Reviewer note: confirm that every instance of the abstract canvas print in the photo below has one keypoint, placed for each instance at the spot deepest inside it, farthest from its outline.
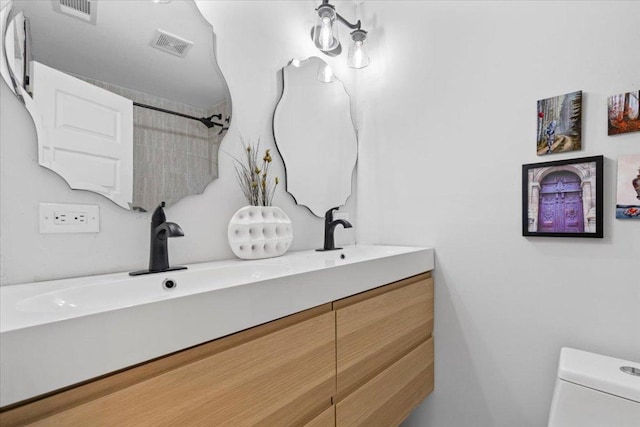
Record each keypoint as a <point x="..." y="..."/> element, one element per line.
<point x="628" y="204"/>
<point x="563" y="198"/>
<point x="560" y="124"/>
<point x="624" y="113"/>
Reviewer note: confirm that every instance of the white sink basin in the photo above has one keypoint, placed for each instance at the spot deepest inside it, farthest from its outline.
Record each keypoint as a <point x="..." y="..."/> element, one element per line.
<point x="130" y="291"/>
<point x="63" y="299"/>
<point x="350" y="254"/>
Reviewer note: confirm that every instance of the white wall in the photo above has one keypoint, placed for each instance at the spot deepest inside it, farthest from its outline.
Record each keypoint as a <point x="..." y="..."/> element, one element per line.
<point x="447" y="109"/>
<point x="255" y="40"/>
<point x="449" y="117"/>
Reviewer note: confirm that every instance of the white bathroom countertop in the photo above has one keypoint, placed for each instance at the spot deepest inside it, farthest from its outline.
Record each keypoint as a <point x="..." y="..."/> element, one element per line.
<point x="57" y="333"/>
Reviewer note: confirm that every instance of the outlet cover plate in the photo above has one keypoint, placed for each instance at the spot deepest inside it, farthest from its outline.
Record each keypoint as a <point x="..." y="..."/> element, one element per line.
<point x="67" y="218"/>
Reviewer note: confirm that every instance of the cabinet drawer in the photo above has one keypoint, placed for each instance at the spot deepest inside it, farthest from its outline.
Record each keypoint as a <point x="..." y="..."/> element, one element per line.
<point x="326" y="419"/>
<point x="390" y="396"/>
<point x="278" y="378"/>
<point x="376" y="328"/>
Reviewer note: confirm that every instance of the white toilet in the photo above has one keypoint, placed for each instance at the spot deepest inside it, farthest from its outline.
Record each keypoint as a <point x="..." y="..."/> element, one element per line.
<point x="593" y="391"/>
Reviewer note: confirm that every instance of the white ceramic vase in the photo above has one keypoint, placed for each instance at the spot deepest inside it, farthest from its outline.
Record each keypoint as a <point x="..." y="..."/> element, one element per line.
<point x="257" y="232"/>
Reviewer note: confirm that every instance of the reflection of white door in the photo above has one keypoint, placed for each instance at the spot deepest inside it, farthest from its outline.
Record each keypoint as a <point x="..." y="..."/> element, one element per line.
<point x="88" y="134"/>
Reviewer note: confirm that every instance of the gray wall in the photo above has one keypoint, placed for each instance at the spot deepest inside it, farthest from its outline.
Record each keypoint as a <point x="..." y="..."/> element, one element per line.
<point x="449" y="107"/>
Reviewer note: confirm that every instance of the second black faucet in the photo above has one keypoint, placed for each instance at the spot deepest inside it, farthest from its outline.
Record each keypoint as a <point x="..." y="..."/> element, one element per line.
<point x="329" y="227"/>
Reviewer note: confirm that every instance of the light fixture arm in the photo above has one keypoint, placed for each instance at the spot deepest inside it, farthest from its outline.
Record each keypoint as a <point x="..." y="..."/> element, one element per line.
<point x="325" y="36"/>
<point x="355" y="26"/>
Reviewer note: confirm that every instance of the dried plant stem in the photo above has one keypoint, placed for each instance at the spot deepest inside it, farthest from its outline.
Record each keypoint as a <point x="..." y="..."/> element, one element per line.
<point x="253" y="176"/>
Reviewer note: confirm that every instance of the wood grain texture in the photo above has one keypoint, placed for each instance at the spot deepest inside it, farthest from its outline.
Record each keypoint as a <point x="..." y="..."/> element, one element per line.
<point x="390" y="396"/>
<point x="283" y="373"/>
<point x="353" y="299"/>
<point x="326" y="419"/>
<point x="376" y="328"/>
<point x="280" y="373"/>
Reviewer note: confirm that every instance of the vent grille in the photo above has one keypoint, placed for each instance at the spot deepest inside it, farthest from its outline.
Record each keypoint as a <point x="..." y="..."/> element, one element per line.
<point x="170" y="43"/>
<point x="84" y="10"/>
<point x="80" y="6"/>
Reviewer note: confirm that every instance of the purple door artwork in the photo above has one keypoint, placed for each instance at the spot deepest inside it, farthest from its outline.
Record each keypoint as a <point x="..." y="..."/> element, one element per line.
<point x="563" y="198"/>
<point x="561" y="209"/>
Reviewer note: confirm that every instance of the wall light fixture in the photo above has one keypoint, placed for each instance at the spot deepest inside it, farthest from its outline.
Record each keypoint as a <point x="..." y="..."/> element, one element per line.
<point x="325" y="36"/>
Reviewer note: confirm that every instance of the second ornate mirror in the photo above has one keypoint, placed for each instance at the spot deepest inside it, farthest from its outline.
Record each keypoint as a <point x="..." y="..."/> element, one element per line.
<point x="315" y="135"/>
<point x="126" y="96"/>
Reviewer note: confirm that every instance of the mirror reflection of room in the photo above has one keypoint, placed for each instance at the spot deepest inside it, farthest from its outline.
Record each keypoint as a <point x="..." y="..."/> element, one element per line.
<point x="108" y="121"/>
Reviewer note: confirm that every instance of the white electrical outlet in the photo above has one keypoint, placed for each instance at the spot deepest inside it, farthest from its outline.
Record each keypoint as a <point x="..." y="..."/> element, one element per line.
<point x="69" y="218"/>
<point x="65" y="218"/>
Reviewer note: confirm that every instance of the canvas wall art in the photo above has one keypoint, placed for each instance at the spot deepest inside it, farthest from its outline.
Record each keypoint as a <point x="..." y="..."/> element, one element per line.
<point x="563" y="198"/>
<point x="624" y="113"/>
<point x="628" y="201"/>
<point x="560" y="124"/>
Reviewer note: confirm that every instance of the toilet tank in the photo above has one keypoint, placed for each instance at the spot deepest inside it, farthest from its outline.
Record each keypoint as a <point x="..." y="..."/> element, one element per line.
<point x="592" y="391"/>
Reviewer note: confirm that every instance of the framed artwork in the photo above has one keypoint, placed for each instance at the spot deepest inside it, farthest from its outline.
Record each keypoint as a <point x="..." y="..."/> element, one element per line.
<point x="560" y="124"/>
<point x="624" y="113"/>
<point x="628" y="200"/>
<point x="563" y="198"/>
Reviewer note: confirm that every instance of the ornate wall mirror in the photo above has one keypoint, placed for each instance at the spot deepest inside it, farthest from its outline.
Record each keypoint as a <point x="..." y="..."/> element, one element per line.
<point x="126" y="96"/>
<point x="315" y="135"/>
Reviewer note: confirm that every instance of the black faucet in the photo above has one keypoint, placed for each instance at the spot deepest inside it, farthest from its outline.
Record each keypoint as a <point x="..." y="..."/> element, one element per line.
<point x="161" y="230"/>
<point x="329" y="227"/>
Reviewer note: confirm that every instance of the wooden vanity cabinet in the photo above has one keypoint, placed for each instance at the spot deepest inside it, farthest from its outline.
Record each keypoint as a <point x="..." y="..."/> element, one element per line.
<point x="325" y="419"/>
<point x="384" y="352"/>
<point x="366" y="360"/>
<point x="278" y="374"/>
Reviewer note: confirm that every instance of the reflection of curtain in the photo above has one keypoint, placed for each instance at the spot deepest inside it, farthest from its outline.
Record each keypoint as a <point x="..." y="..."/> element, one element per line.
<point x="28" y="84"/>
<point x="17" y="65"/>
<point x="18" y="49"/>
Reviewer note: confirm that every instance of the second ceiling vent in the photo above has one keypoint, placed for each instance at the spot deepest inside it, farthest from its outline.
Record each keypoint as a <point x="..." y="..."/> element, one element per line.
<point x="170" y="43"/>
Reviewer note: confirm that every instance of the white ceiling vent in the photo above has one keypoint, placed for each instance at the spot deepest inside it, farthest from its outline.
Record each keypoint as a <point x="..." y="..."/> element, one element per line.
<point x="85" y="10"/>
<point x="170" y="43"/>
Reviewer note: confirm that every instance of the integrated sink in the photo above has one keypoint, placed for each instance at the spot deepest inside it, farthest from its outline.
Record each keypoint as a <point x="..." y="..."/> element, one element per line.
<point x="61" y="332"/>
<point x="129" y="291"/>
<point x="357" y="253"/>
<point x="93" y="297"/>
<point x="62" y="299"/>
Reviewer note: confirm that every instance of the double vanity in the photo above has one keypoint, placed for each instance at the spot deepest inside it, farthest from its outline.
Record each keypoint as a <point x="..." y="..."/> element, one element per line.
<point x="309" y="338"/>
<point x="335" y="338"/>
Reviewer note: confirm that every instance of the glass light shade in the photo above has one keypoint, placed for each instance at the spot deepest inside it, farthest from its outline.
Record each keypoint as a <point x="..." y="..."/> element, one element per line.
<point x="325" y="34"/>
<point x="325" y="74"/>
<point x="358" y="51"/>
